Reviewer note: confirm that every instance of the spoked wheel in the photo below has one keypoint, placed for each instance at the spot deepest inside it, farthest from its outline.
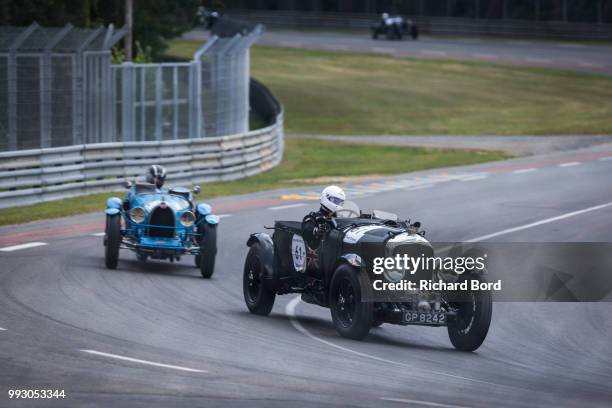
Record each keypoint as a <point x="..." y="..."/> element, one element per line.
<point x="352" y="317"/>
<point x="257" y="297"/>
<point x="474" y="308"/>
<point x="345" y="303"/>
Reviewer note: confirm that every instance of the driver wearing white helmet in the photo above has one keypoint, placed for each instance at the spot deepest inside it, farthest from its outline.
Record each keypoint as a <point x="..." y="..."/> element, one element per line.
<point x="317" y="223"/>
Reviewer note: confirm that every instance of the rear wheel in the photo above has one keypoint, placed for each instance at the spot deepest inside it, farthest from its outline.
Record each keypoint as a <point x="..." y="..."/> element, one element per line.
<point x="112" y="241"/>
<point x="257" y="297"/>
<point x="208" y="250"/>
<point x="474" y="308"/>
<point x="352" y="317"/>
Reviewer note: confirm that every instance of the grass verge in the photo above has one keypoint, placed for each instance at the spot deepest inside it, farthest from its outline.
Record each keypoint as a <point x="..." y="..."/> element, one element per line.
<point x="327" y="92"/>
<point x="306" y="161"/>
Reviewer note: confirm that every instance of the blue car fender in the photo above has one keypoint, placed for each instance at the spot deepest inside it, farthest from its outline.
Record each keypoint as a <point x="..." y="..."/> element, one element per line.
<point x="113" y="206"/>
<point x="212" y="219"/>
<point x="204" y="209"/>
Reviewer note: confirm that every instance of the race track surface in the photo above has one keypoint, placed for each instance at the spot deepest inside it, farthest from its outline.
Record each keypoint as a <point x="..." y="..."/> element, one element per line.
<point x="156" y="333"/>
<point x="587" y="57"/>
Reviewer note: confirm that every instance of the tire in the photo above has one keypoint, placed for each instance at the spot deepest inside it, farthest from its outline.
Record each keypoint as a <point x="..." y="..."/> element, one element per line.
<point x="258" y="298"/>
<point x="352" y="317"/>
<point x="208" y="250"/>
<point x="374" y="35"/>
<point x="113" y="241"/>
<point x="469" y="329"/>
<point x="414" y="33"/>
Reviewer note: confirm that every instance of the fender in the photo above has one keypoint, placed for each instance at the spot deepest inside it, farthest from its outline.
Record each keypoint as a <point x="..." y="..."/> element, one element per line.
<point x="356" y="262"/>
<point x="204" y="209"/>
<point x="212" y="219"/>
<point x="474" y="253"/>
<point x="266" y="256"/>
<point x="352" y="259"/>
<point x="112" y="211"/>
<point x="113" y="202"/>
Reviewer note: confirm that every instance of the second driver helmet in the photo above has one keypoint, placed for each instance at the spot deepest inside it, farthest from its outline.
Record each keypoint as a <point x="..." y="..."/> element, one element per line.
<point x="332" y="198"/>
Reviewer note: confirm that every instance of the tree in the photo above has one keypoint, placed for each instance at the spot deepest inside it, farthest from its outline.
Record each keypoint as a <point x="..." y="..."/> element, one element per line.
<point x="155" y="21"/>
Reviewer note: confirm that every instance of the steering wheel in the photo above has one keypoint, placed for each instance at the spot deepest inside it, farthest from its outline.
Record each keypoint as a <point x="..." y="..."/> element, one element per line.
<point x="349" y="212"/>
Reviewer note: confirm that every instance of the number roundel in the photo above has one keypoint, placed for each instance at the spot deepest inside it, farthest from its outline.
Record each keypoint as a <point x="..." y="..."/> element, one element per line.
<point x="298" y="253"/>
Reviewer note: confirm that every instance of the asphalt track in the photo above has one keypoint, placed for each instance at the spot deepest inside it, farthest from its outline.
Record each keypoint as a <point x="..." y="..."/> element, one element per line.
<point x="586" y="57"/>
<point x="158" y="334"/>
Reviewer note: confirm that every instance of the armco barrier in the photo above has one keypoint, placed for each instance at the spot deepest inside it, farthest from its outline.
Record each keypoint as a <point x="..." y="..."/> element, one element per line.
<point x="33" y="176"/>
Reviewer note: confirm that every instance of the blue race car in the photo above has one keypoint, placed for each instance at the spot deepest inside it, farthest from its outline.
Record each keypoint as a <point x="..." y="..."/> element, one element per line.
<point x="161" y="224"/>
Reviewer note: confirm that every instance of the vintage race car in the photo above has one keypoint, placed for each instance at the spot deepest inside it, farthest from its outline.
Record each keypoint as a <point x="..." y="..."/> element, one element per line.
<point x="335" y="276"/>
<point x="161" y="224"/>
<point x="395" y="27"/>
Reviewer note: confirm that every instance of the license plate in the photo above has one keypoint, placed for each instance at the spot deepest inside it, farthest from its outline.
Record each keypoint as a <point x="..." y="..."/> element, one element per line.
<point x="424" y="318"/>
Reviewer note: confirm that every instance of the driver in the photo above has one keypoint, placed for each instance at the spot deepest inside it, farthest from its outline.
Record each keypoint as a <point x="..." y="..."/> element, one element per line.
<point x="315" y="224"/>
<point x="156" y="174"/>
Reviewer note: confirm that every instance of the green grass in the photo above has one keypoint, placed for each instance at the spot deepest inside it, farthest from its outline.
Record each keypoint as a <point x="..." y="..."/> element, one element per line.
<point x="306" y="161"/>
<point x="344" y="93"/>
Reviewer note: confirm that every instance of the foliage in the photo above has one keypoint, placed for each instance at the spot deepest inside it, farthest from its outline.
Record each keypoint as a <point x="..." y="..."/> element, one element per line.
<point x="155" y="21"/>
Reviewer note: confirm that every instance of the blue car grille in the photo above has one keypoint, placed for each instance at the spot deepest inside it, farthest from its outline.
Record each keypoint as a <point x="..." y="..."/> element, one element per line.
<point x="164" y="217"/>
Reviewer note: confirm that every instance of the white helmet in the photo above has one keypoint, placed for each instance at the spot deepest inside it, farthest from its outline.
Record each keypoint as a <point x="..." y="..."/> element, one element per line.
<point x="332" y="198"/>
<point x="385" y="16"/>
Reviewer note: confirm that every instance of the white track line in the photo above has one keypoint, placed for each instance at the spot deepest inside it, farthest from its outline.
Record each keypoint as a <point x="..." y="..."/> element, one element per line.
<point x="2" y="329"/>
<point x="538" y="60"/>
<point x="538" y="223"/>
<point x="433" y="53"/>
<point x="224" y="215"/>
<point x="605" y="158"/>
<point x="570" y="164"/>
<point x="290" y="43"/>
<point x="589" y="65"/>
<point x="22" y="246"/>
<point x="290" y="311"/>
<point x="283" y="207"/>
<point x="145" y="362"/>
<point x="485" y="56"/>
<point x="337" y="47"/>
<point x="520" y="171"/>
<point x="98" y="234"/>
<point x="471" y="178"/>
<point x="423" y="403"/>
<point x="383" y="49"/>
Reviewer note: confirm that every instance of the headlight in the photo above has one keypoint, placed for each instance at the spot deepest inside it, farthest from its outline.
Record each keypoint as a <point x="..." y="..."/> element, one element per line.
<point x="137" y="214"/>
<point x="187" y="219"/>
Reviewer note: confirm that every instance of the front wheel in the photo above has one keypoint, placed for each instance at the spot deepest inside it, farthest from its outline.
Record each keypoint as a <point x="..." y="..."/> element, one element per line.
<point x="205" y="260"/>
<point x="474" y="308"/>
<point x="112" y="241"/>
<point x="352" y="317"/>
<point x="258" y="298"/>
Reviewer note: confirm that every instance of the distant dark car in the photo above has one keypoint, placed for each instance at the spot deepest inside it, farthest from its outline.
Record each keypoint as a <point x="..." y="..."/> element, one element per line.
<point x="333" y="274"/>
<point x="395" y="28"/>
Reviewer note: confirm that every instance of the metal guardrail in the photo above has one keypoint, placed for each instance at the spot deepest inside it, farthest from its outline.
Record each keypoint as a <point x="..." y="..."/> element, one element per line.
<point x="433" y="25"/>
<point x="33" y="176"/>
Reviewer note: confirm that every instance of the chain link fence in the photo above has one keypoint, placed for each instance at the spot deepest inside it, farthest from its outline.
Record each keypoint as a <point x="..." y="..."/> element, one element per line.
<point x="54" y="85"/>
<point x="58" y="87"/>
